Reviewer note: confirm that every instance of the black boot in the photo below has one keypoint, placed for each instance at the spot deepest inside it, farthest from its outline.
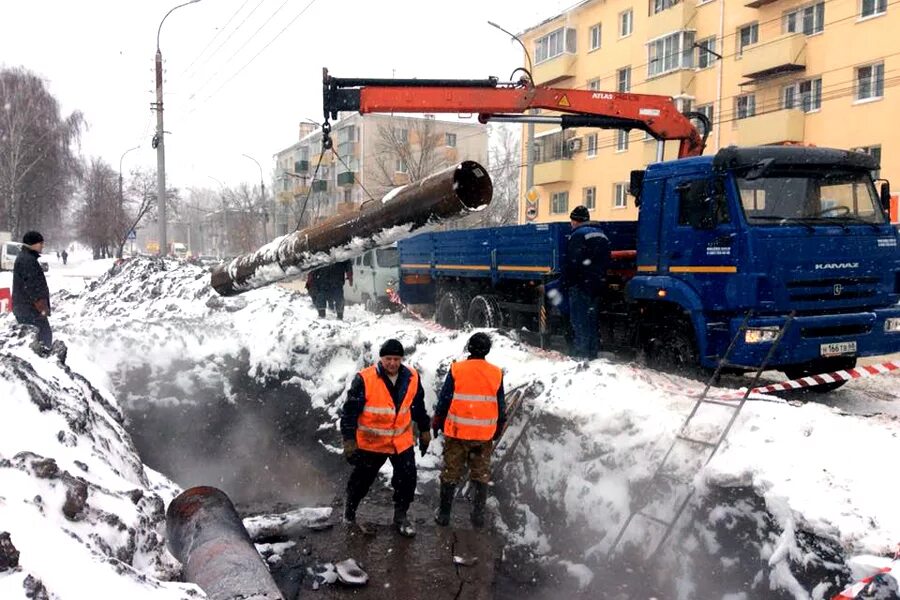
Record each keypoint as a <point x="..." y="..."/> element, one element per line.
<point x="350" y="511"/>
<point x="478" y="504"/>
<point x="442" y="514"/>
<point x="402" y="523"/>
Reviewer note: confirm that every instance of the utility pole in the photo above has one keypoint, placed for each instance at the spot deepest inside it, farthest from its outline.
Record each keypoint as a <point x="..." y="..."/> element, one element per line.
<point x="158" y="140"/>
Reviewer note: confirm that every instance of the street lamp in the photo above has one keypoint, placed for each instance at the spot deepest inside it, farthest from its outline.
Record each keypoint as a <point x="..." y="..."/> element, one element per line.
<point x="121" y="198"/>
<point x="262" y="191"/>
<point x="158" y="139"/>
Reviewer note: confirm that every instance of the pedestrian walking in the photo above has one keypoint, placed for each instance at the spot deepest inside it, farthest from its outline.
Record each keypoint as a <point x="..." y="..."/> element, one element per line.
<point x="583" y="277"/>
<point x="382" y="404"/>
<point x="30" y="294"/>
<point x="327" y="285"/>
<point x="471" y="411"/>
<point x="65" y="257"/>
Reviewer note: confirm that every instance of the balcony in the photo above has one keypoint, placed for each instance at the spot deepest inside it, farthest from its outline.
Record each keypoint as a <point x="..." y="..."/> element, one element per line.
<point x="672" y="19"/>
<point x="555" y="69"/>
<point x="320" y="185"/>
<point x="553" y="171"/>
<point x="674" y="83"/>
<point x="759" y="3"/>
<point x="782" y="55"/>
<point x="301" y="166"/>
<point x="346" y="178"/>
<point x="772" y="128"/>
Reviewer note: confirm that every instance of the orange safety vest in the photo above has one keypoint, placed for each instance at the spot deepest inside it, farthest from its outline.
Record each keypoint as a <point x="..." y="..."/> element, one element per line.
<point x="473" y="410"/>
<point x="381" y="427"/>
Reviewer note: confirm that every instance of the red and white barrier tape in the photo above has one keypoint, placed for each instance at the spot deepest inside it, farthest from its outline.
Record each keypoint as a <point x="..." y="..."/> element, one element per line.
<point x="821" y="379"/>
<point x="861" y="586"/>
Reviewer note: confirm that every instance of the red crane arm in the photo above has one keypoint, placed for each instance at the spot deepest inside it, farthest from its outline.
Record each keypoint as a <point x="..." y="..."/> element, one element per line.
<point x="656" y="115"/>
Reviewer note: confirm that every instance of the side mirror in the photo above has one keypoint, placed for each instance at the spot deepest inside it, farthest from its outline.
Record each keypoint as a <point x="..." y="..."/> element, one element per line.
<point x="886" y="195"/>
<point x="636" y="185"/>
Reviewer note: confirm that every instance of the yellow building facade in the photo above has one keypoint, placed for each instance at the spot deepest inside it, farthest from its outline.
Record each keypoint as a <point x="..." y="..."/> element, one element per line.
<point x="818" y="73"/>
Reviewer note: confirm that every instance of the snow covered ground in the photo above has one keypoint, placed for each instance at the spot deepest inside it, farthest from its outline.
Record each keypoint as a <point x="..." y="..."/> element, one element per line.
<point x="796" y="503"/>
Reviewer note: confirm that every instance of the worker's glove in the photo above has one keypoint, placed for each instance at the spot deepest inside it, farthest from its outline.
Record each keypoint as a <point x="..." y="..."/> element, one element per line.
<point x="437" y="425"/>
<point x="350" y="449"/>
<point x="424" y="441"/>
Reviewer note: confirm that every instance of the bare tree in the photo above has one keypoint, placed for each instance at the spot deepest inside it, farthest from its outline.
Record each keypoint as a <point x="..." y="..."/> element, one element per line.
<point x="407" y="150"/>
<point x="100" y="217"/>
<point x="139" y="202"/>
<point x="37" y="164"/>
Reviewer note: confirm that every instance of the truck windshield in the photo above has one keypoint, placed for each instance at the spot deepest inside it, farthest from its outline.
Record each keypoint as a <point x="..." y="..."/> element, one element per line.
<point x="388" y="257"/>
<point x="810" y="197"/>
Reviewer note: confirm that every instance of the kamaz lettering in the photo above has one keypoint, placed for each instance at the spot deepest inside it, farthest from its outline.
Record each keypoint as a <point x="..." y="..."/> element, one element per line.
<point x="846" y="265"/>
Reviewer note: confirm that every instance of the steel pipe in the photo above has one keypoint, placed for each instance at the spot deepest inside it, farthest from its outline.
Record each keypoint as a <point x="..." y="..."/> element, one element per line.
<point x="206" y="534"/>
<point x="443" y="195"/>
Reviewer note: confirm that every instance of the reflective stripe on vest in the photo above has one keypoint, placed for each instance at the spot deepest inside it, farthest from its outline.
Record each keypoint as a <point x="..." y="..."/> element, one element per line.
<point x="381" y="427"/>
<point x="473" y="411"/>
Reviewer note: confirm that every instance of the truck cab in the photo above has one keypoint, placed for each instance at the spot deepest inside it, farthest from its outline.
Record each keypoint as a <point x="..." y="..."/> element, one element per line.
<point x="774" y="231"/>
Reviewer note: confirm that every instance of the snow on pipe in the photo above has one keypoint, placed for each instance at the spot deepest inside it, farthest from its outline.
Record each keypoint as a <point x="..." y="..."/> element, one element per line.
<point x="206" y="534"/>
<point x="440" y="196"/>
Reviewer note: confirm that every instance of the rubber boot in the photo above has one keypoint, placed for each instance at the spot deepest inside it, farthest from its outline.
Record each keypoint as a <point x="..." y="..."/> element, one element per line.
<point x="442" y="514"/>
<point x="478" y="504"/>
<point x="350" y="511"/>
<point x="402" y="523"/>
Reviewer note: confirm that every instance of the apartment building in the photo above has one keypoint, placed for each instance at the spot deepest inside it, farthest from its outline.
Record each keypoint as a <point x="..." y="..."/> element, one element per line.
<point x="764" y="71"/>
<point x="373" y="154"/>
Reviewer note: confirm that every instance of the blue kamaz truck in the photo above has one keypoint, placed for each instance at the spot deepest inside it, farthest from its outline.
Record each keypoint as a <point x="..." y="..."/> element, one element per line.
<point x="726" y="251"/>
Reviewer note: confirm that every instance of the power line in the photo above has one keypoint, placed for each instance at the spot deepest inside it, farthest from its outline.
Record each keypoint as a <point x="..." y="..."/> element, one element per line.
<point x="216" y="35"/>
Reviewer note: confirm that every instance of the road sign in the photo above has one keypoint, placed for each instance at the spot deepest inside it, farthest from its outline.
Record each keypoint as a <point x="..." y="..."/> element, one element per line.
<point x="531" y="212"/>
<point x="132" y="235"/>
<point x="5" y="300"/>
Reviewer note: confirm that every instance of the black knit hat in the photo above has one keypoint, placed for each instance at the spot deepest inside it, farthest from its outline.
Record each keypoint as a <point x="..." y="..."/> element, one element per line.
<point x="31" y="238"/>
<point x="391" y="347"/>
<point x="479" y="345"/>
<point x="580" y="213"/>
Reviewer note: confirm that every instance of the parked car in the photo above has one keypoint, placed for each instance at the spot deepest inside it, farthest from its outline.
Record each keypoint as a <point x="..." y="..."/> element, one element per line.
<point x="8" y="253"/>
<point x="374" y="273"/>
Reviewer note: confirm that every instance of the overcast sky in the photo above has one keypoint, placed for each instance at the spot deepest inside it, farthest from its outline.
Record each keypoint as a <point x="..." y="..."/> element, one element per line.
<point x="224" y="94"/>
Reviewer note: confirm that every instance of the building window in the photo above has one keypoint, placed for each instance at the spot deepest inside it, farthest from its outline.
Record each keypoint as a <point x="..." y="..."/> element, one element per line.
<point x="657" y="6"/>
<point x="402" y="135"/>
<point x="684" y="105"/>
<point x="747" y="36"/>
<point x="594" y="85"/>
<point x="745" y="106"/>
<point x="621" y="140"/>
<point x="589" y="198"/>
<point x="592" y="145"/>
<point x="623" y="80"/>
<point x="672" y="52"/>
<point x="705" y="49"/>
<point x="870" y="82"/>
<point x="348" y="195"/>
<point x="626" y="23"/>
<point x="554" y="43"/>
<point x="808" y="19"/>
<point x="450" y="139"/>
<point x="707" y="110"/>
<point x="553" y="146"/>
<point x="870" y="8"/>
<point x="559" y="203"/>
<point x="595" y="34"/>
<point x="400" y="166"/>
<point x="805" y="95"/>
<point x="620" y="195"/>
<point x="874" y="151"/>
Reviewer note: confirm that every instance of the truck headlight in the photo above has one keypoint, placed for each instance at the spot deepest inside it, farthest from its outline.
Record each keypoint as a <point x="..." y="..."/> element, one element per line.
<point x="892" y="325"/>
<point x="760" y="335"/>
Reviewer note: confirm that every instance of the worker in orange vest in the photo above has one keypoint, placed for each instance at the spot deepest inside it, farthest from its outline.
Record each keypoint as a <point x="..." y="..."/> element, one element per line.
<point x="376" y="423"/>
<point x="471" y="411"/>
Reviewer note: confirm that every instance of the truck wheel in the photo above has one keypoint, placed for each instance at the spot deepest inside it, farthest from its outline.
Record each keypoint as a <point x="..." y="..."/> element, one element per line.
<point x="673" y="349"/>
<point x="451" y="310"/>
<point x="484" y="311"/>
<point x="817" y="367"/>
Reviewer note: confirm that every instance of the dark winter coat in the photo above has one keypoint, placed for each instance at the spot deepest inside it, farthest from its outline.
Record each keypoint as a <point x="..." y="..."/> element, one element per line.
<point x="30" y="294"/>
<point x="587" y="259"/>
<point x="356" y="401"/>
<point x="330" y="277"/>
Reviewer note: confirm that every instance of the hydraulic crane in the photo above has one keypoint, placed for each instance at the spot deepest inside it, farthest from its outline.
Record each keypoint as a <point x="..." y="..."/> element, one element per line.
<point x="494" y="100"/>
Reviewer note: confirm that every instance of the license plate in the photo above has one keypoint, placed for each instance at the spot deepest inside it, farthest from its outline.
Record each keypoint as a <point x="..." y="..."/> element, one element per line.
<point x="837" y="348"/>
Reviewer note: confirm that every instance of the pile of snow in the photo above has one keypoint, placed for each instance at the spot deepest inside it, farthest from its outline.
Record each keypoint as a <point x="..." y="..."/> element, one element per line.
<point x="82" y="512"/>
<point x="793" y="495"/>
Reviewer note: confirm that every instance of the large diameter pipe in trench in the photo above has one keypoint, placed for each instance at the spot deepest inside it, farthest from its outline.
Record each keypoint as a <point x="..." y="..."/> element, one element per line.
<point x="206" y="534"/>
<point x="441" y="196"/>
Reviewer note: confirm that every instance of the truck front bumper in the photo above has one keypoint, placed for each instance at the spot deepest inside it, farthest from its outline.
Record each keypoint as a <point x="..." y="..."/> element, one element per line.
<point x="813" y="338"/>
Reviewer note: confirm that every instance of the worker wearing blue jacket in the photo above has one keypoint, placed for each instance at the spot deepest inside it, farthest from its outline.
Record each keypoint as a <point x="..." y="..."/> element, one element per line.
<point x="584" y="279"/>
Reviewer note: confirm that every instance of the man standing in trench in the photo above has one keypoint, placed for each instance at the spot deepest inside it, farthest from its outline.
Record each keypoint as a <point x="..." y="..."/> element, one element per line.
<point x="30" y="294"/>
<point x="471" y="411"/>
<point x="376" y="423"/>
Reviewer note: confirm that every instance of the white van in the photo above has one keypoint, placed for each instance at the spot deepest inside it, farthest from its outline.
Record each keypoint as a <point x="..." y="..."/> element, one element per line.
<point x="8" y="253"/>
<point x="374" y="273"/>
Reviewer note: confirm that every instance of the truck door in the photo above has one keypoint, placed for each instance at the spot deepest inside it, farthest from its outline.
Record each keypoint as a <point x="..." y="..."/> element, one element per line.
<point x="699" y="238"/>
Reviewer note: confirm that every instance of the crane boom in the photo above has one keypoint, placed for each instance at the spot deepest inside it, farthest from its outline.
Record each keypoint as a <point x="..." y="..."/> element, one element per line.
<point x="493" y="100"/>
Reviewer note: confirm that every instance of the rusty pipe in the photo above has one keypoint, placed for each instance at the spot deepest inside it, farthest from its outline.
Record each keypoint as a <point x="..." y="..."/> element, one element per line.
<point x="442" y="195"/>
<point x="206" y="534"/>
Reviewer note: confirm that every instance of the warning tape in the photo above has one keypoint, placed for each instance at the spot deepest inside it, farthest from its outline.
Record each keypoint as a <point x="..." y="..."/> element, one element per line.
<point x="853" y="591"/>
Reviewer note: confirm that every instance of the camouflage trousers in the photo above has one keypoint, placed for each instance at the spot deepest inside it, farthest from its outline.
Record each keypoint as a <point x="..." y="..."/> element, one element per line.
<point x="458" y="453"/>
